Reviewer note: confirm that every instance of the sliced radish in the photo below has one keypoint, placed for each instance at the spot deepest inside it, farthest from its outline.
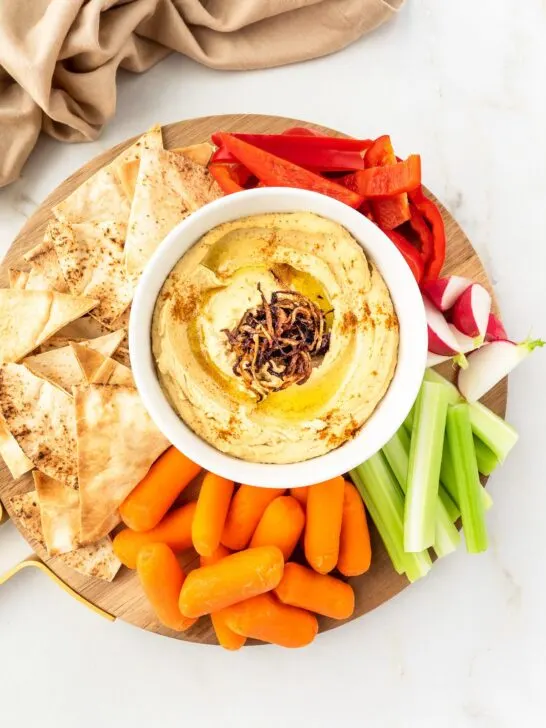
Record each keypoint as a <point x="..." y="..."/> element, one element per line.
<point x="433" y="359"/>
<point x="495" y="329"/>
<point x="443" y="292"/>
<point x="464" y="342"/>
<point x="471" y="311"/>
<point x="440" y="338"/>
<point x="491" y="363"/>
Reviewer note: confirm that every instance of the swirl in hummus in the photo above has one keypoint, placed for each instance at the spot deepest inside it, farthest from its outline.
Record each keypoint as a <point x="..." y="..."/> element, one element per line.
<point x="234" y="269"/>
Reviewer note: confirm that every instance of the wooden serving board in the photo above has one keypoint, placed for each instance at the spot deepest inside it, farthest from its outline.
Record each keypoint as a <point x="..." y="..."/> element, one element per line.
<point x="124" y="598"/>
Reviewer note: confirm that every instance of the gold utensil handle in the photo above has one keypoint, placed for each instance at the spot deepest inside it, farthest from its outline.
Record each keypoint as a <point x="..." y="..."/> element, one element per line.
<point x="34" y="561"/>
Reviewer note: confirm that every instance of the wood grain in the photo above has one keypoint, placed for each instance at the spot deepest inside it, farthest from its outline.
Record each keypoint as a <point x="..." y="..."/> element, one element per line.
<point x="124" y="598"/>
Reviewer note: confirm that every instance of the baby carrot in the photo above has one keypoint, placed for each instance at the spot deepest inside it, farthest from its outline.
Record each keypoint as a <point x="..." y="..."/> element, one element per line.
<point x="323" y="524"/>
<point x="210" y="514"/>
<point x="146" y="505"/>
<point x="237" y="577"/>
<point x="246" y="509"/>
<point x="281" y="525"/>
<point x="162" y="578"/>
<point x="226" y="637"/>
<point x="174" y="530"/>
<point x="264" y="618"/>
<point x="355" y="551"/>
<point x="320" y="593"/>
<point x="217" y="555"/>
<point x="300" y="494"/>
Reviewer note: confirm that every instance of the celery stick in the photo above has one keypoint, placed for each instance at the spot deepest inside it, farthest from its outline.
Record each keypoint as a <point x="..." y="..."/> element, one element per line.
<point x="408" y="422"/>
<point x="396" y="555"/>
<point x="467" y="478"/>
<point x="385" y="502"/>
<point x="446" y="536"/>
<point x="396" y="452"/>
<point x="447" y="478"/>
<point x="454" y="396"/>
<point x="425" y="458"/>
<point x="449" y="504"/>
<point x="493" y="431"/>
<point x="487" y="460"/>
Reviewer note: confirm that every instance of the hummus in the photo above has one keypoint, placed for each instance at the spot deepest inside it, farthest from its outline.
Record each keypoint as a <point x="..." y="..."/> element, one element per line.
<point x="234" y="269"/>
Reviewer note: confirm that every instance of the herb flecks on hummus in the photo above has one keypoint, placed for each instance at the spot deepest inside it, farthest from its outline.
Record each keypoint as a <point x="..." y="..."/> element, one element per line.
<point x="289" y="266"/>
<point x="275" y="343"/>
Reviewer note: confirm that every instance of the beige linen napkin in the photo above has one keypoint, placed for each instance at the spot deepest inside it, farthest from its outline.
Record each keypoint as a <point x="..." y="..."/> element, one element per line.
<point x="58" y="58"/>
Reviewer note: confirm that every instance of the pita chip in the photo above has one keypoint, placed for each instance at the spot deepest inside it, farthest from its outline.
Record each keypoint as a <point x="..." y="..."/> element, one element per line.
<point x="128" y="172"/>
<point x="45" y="271"/>
<point x="97" y="560"/>
<point x="40" y="416"/>
<point x="18" y="278"/>
<point x="28" y="318"/>
<point x="99" y="369"/>
<point x="91" y="256"/>
<point x="83" y="328"/>
<point x="60" y="514"/>
<point x="101" y="197"/>
<point x="169" y="186"/>
<point x="16" y="461"/>
<point x="61" y="366"/>
<point x="117" y="444"/>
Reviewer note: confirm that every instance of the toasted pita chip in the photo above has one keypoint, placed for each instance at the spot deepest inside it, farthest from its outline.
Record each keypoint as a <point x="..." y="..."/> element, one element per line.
<point x="18" y="278"/>
<point x="99" y="369"/>
<point x="128" y="172"/>
<point x="117" y="444"/>
<point x="45" y="272"/>
<point x="28" y="318"/>
<point x="169" y="187"/>
<point x="60" y="514"/>
<point x="40" y="416"/>
<point x="92" y="260"/>
<point x="101" y="197"/>
<point x="16" y="461"/>
<point x="198" y="153"/>
<point x="61" y="367"/>
<point x="85" y="327"/>
<point x="97" y="560"/>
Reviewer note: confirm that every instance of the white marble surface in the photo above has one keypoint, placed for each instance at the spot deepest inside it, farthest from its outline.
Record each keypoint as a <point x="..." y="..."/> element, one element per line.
<point x="463" y="84"/>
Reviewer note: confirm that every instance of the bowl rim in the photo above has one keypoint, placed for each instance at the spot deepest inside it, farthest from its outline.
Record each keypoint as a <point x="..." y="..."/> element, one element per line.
<point x="388" y="415"/>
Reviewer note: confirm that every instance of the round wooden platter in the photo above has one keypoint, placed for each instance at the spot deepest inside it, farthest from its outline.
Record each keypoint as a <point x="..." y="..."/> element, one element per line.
<point x="123" y="598"/>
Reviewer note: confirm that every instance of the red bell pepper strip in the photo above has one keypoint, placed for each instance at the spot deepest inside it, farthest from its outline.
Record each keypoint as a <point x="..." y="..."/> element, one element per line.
<point x="300" y="131"/>
<point x="228" y="177"/>
<point x="423" y="234"/>
<point x="276" y="172"/>
<point x="389" y="213"/>
<point x="386" y="181"/>
<point x="319" y="153"/>
<point x="433" y="216"/>
<point x="222" y="156"/>
<point x="411" y="254"/>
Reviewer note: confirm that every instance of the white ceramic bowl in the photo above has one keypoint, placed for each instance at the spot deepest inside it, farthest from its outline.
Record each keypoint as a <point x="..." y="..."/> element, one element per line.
<point x="393" y="408"/>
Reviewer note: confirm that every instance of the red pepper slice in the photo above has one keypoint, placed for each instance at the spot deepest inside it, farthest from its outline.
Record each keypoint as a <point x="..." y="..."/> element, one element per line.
<point x="386" y="181"/>
<point x="433" y="216"/>
<point x="324" y="153"/>
<point x="230" y="177"/>
<point x="392" y="212"/>
<point x="222" y="156"/>
<point x="276" y="172"/>
<point x="423" y="233"/>
<point x="300" y="131"/>
<point x="411" y="254"/>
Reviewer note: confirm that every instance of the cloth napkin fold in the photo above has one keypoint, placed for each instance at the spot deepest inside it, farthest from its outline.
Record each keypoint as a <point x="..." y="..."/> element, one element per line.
<point x="59" y="58"/>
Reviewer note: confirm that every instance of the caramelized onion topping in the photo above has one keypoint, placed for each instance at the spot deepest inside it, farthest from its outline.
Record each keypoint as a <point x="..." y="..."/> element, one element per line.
<point x="276" y="344"/>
